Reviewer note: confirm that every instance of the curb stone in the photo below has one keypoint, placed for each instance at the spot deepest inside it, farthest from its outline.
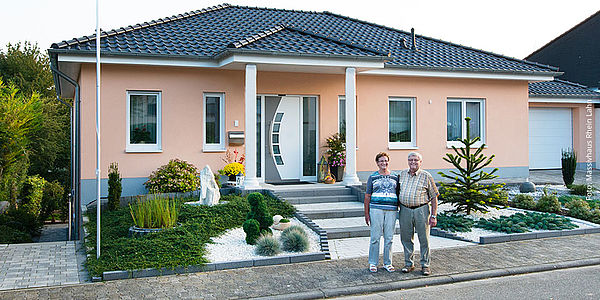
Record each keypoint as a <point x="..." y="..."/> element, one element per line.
<point x="434" y="280"/>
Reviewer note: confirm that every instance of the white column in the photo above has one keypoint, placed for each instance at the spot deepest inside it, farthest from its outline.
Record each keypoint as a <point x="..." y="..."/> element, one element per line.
<point x="250" y="182"/>
<point x="350" y="177"/>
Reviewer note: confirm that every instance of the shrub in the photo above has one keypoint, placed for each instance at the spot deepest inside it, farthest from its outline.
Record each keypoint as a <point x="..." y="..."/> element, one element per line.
<point x="466" y="193"/>
<point x="259" y="212"/>
<point x="578" y="189"/>
<point x="176" y="176"/>
<point x="252" y="230"/>
<point x="9" y="235"/>
<point x="21" y="220"/>
<point x="294" y="240"/>
<point x="522" y="222"/>
<point x="33" y="192"/>
<point x="233" y="169"/>
<point x="568" y="164"/>
<point x="498" y="197"/>
<point x="114" y="187"/>
<point x="267" y="245"/>
<point x="454" y="222"/>
<point x="579" y="208"/>
<point x="52" y="199"/>
<point x="548" y="203"/>
<point x="595" y="216"/>
<point x="154" y="212"/>
<point x="524" y="201"/>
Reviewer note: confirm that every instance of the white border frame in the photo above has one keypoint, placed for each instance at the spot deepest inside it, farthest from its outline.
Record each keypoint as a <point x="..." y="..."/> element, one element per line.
<point x="220" y="147"/>
<point x="482" y="124"/>
<point x="144" y="147"/>
<point x="413" y="123"/>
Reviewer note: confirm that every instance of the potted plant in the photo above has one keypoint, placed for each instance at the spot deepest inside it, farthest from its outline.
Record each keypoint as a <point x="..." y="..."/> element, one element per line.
<point x="336" y="155"/>
<point x="153" y="214"/>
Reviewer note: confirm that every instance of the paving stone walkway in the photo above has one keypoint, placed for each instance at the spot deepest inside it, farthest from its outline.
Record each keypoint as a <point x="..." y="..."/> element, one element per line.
<point x="299" y="280"/>
<point x="41" y="264"/>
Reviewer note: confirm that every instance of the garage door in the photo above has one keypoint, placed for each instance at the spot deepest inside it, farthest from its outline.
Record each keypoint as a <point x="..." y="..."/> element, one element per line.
<point x="550" y="131"/>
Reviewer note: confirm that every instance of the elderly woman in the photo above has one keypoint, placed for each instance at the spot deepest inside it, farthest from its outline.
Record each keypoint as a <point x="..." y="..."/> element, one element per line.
<point x="381" y="211"/>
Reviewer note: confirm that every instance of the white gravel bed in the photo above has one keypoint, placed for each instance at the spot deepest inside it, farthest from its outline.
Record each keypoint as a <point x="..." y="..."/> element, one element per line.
<point x="476" y="233"/>
<point x="232" y="245"/>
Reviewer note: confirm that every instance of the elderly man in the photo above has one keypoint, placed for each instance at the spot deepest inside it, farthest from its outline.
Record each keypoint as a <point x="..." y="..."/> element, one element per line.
<point x="417" y="193"/>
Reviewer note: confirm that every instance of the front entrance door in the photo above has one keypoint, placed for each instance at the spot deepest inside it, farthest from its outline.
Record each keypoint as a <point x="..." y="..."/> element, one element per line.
<point x="290" y="138"/>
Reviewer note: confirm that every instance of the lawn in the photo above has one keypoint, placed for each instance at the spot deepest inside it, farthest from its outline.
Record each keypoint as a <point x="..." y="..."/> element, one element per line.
<point x="181" y="246"/>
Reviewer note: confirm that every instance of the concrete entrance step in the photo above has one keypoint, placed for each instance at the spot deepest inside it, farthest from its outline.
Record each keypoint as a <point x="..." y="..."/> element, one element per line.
<point x="285" y="193"/>
<point x="320" y="199"/>
<point x="331" y="210"/>
<point x="351" y="232"/>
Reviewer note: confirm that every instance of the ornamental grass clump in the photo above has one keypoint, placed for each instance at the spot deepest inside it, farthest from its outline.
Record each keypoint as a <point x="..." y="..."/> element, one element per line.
<point x="177" y="176"/>
<point x="465" y="192"/>
<point x="155" y="212"/>
<point x="267" y="245"/>
<point x="294" y="240"/>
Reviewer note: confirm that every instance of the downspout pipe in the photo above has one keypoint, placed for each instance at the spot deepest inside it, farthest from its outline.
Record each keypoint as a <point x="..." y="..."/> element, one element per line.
<point x="75" y="153"/>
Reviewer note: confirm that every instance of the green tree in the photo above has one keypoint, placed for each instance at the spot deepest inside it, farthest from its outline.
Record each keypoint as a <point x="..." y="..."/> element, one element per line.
<point x="20" y="117"/>
<point x="27" y="68"/>
<point x="466" y="193"/>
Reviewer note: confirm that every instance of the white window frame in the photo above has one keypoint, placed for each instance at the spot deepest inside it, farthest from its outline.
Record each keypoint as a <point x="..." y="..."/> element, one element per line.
<point x="413" y="124"/>
<point x="144" y="147"/>
<point x="340" y="98"/>
<point x="221" y="145"/>
<point x="463" y="110"/>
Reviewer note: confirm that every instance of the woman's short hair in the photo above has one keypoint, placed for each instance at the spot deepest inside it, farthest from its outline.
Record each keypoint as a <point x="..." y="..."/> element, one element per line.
<point x="381" y="154"/>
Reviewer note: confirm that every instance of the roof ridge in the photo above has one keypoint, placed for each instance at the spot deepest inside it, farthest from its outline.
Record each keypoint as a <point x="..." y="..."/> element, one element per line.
<point x="442" y="41"/>
<point x="339" y="41"/>
<point x="245" y="41"/>
<point x="137" y="26"/>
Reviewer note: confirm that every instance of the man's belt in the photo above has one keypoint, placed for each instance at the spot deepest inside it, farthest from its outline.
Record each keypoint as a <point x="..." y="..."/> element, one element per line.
<point x="414" y="207"/>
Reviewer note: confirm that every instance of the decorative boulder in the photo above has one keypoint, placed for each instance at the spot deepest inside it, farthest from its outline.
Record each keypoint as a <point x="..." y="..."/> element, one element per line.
<point x="209" y="190"/>
<point x="527" y="187"/>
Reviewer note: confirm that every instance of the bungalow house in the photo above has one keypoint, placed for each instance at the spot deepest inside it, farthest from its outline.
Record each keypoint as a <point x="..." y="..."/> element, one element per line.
<point x="283" y="81"/>
<point x="571" y="107"/>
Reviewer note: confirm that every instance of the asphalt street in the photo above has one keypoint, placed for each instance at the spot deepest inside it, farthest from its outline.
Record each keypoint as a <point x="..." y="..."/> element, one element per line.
<point x="574" y="283"/>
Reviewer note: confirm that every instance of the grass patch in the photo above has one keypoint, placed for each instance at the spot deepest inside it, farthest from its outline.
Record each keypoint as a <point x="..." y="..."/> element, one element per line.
<point x="182" y="246"/>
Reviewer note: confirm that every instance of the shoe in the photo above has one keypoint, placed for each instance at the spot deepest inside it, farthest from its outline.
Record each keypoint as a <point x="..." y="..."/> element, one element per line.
<point x="408" y="269"/>
<point x="389" y="268"/>
<point x="426" y="271"/>
<point x="373" y="268"/>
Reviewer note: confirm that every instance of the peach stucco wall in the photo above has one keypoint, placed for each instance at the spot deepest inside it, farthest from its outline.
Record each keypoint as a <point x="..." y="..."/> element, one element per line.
<point x="581" y="120"/>
<point x="182" y="90"/>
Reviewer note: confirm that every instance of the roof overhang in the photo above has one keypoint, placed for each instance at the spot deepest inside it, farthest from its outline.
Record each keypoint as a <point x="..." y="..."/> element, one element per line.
<point x="464" y="74"/>
<point x="562" y="99"/>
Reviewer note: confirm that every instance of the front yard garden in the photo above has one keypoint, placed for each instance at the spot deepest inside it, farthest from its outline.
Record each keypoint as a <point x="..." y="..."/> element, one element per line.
<point x="184" y="245"/>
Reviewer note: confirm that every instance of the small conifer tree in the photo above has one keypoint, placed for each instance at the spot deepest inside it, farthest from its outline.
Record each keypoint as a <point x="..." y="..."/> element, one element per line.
<point x="114" y="187"/>
<point x="466" y="193"/>
<point x="568" y="162"/>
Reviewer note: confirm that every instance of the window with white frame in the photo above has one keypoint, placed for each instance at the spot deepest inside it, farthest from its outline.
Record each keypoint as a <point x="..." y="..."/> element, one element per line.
<point x="214" y="122"/>
<point x="457" y="111"/>
<point x="143" y="121"/>
<point x="401" y="123"/>
<point x="342" y="115"/>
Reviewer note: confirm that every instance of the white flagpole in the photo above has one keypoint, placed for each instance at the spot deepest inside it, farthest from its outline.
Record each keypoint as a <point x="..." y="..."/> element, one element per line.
<point x="98" y="202"/>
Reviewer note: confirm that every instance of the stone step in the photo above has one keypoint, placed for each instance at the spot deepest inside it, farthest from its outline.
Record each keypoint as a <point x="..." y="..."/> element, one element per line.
<point x="313" y="192"/>
<point x="331" y="210"/>
<point x="320" y="199"/>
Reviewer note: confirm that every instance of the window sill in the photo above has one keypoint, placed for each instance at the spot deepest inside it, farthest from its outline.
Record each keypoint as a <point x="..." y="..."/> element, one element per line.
<point x="402" y="147"/>
<point x="214" y="150"/>
<point x="143" y="151"/>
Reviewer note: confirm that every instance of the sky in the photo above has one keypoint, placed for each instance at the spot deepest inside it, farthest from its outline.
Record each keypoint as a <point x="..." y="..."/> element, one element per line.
<point x="508" y="27"/>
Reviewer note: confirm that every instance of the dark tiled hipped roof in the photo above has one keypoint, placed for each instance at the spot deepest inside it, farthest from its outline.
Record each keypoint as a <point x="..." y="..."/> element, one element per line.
<point x="208" y="33"/>
<point x="561" y="89"/>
